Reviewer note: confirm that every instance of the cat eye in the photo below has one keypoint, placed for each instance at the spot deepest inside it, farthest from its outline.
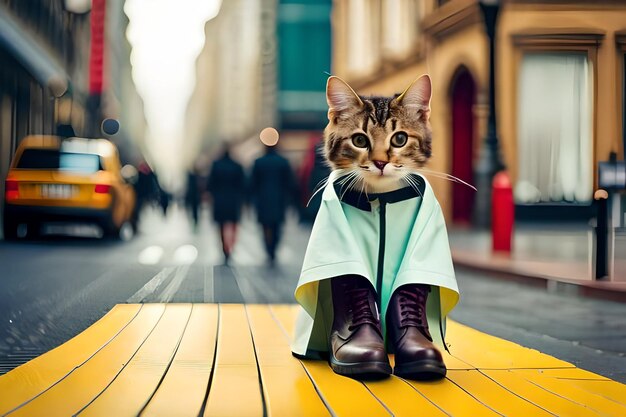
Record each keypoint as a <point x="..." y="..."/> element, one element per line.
<point x="399" y="139"/>
<point x="360" y="141"/>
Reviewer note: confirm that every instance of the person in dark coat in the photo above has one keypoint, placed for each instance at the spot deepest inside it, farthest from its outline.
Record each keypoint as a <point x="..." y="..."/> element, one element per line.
<point x="192" y="197"/>
<point x="226" y="185"/>
<point x="146" y="188"/>
<point x="272" y="189"/>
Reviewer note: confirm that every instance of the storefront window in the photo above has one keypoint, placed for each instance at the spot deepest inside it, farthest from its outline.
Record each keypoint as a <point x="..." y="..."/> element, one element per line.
<point x="554" y="128"/>
<point x="400" y="27"/>
<point x="363" y="36"/>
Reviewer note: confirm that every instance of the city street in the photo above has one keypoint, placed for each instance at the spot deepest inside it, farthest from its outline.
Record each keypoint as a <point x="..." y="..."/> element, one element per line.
<point x="57" y="286"/>
<point x="130" y="130"/>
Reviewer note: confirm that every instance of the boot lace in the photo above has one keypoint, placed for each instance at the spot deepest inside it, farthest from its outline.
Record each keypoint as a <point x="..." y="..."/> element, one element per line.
<point x="359" y="306"/>
<point x="412" y="304"/>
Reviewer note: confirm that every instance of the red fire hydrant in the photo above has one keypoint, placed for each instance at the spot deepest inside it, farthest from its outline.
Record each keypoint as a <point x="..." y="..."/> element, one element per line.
<point x="502" y="213"/>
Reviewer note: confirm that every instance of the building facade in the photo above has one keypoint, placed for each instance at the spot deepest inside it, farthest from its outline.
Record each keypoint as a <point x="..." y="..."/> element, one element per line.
<point x="263" y="64"/>
<point x="38" y="57"/>
<point x="235" y="93"/>
<point x="46" y="74"/>
<point x="559" y="87"/>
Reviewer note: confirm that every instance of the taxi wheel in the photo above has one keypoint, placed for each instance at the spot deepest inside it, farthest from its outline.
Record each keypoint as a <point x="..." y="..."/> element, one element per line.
<point x="9" y="228"/>
<point x="33" y="230"/>
<point x="110" y="230"/>
<point x="124" y="232"/>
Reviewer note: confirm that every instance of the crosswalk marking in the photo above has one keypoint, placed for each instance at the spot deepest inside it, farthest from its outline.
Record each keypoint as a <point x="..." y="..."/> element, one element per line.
<point x="151" y="286"/>
<point x="209" y="285"/>
<point x="168" y="293"/>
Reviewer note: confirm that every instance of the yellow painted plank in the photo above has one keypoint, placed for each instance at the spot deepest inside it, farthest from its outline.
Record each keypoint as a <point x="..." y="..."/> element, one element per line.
<point x="235" y="389"/>
<point x="137" y="382"/>
<point x="572" y="373"/>
<point x="589" y="381"/>
<point x="184" y="387"/>
<point x="286" y="315"/>
<point x="578" y="395"/>
<point x="334" y="388"/>
<point x="483" y="351"/>
<point x="608" y="389"/>
<point x="494" y="395"/>
<point x="86" y="382"/>
<point x="452" y="399"/>
<point x="402" y="399"/>
<point x="287" y="388"/>
<point x="26" y="381"/>
<point x="553" y="403"/>
<point x="452" y="362"/>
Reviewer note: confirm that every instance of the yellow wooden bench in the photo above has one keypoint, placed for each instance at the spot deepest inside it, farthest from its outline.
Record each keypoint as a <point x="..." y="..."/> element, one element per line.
<point x="234" y="360"/>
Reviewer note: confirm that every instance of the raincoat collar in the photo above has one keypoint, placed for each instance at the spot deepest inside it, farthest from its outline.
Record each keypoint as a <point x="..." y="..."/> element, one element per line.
<point x="362" y="200"/>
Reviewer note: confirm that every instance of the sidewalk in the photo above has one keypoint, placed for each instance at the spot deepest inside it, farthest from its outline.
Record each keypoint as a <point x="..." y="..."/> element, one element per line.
<point x="555" y="256"/>
<point x="234" y="360"/>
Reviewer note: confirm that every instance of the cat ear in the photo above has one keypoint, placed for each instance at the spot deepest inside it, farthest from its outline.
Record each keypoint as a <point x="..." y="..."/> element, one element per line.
<point x="341" y="98"/>
<point x="417" y="95"/>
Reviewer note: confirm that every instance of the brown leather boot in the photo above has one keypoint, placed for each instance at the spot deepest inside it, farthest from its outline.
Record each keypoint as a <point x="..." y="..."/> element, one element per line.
<point x="407" y="328"/>
<point x="356" y="343"/>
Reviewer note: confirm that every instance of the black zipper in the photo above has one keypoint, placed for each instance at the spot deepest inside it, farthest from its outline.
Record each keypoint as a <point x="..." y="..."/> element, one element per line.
<point x="381" y="250"/>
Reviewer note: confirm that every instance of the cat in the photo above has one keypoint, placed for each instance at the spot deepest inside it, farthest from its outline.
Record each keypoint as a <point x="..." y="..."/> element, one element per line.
<point x="377" y="274"/>
<point x="378" y="141"/>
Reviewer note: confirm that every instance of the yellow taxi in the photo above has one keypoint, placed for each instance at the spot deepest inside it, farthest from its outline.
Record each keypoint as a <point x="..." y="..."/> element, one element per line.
<point x="74" y="180"/>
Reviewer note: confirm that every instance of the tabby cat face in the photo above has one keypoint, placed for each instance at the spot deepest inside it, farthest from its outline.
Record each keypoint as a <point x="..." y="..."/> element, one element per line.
<point x="379" y="141"/>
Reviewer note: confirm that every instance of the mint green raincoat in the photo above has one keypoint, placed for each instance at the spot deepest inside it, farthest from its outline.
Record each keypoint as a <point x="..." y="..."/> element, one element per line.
<point x="392" y="239"/>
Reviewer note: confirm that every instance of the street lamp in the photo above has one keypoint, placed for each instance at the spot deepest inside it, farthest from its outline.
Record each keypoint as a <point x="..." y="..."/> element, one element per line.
<point x="489" y="162"/>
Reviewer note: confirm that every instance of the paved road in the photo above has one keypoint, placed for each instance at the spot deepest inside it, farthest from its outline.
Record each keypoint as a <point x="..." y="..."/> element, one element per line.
<point x="53" y="288"/>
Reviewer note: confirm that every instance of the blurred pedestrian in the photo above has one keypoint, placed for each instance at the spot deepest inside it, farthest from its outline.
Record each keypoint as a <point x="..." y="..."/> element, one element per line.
<point x="192" y="197"/>
<point x="226" y="185"/>
<point x="313" y="179"/>
<point x="272" y="189"/>
<point x="164" y="199"/>
<point x="146" y="188"/>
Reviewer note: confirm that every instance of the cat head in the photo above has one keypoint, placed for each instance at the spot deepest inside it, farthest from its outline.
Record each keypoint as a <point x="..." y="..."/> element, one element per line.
<point x="378" y="140"/>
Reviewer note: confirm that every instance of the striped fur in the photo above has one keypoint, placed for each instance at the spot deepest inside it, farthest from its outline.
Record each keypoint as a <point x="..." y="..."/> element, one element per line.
<point x="379" y="118"/>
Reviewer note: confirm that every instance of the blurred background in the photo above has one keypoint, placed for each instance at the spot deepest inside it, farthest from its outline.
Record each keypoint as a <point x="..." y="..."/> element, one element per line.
<point x="535" y="90"/>
<point x="184" y="79"/>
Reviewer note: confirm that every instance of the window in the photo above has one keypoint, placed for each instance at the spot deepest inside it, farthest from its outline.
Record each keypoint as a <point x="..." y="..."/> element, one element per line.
<point x="400" y="27"/>
<point x="363" y="19"/>
<point x="554" y="135"/>
<point x="49" y="159"/>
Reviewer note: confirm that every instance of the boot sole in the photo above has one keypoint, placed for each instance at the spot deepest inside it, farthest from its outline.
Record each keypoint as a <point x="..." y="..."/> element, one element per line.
<point x="361" y="370"/>
<point x="426" y="370"/>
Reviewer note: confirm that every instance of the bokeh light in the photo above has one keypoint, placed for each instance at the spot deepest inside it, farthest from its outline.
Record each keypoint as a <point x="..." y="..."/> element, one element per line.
<point x="269" y="136"/>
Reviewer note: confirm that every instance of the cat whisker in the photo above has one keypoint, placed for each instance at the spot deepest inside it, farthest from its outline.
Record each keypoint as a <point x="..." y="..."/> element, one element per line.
<point x="445" y="176"/>
<point x="353" y="181"/>
<point x="319" y="187"/>
<point x="347" y="188"/>
<point x="413" y="184"/>
<point x="348" y="177"/>
<point x="363" y="187"/>
<point x="417" y="186"/>
<point x="345" y="182"/>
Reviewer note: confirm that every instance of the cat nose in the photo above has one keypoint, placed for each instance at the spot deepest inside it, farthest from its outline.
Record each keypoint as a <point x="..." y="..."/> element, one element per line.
<point x="380" y="164"/>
